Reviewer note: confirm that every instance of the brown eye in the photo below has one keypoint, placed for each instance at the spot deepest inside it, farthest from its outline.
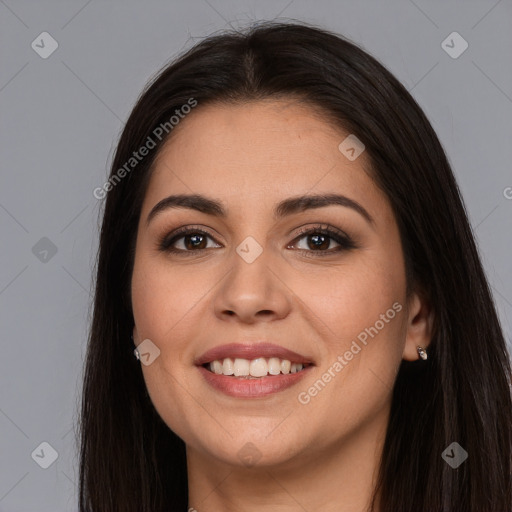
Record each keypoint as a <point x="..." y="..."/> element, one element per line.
<point x="323" y="240"/>
<point x="195" y="241"/>
<point x="318" y="241"/>
<point x="187" y="240"/>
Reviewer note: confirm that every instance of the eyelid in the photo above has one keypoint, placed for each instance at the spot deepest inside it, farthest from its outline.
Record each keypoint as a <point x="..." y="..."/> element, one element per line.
<point x="321" y="227"/>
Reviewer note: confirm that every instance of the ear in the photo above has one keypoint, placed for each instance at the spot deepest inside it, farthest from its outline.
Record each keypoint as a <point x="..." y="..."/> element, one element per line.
<point x="135" y="335"/>
<point x="420" y="322"/>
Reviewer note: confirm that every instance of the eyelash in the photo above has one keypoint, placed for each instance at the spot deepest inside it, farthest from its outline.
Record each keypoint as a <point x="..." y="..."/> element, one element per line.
<point x="345" y="242"/>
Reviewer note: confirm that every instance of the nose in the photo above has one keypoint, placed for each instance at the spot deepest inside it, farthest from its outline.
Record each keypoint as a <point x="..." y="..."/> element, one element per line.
<point x="253" y="292"/>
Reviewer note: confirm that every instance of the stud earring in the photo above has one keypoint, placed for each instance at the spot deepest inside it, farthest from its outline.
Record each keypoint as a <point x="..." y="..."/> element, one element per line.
<point x="136" y="352"/>
<point x="422" y="353"/>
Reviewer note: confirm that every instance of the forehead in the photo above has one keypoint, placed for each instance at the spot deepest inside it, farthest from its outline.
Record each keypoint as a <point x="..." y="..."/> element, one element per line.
<point x="260" y="151"/>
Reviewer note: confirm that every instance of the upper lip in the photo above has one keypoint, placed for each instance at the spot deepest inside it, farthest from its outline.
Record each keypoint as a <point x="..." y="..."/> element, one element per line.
<point x="250" y="351"/>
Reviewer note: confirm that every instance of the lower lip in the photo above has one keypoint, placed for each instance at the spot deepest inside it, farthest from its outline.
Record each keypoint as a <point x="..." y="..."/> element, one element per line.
<point x="252" y="388"/>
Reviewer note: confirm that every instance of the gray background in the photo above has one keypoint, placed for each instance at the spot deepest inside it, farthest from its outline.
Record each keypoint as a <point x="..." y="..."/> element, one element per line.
<point x="60" y="120"/>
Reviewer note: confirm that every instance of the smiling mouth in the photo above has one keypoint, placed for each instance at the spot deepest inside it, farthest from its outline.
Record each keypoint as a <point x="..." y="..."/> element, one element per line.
<point x="254" y="368"/>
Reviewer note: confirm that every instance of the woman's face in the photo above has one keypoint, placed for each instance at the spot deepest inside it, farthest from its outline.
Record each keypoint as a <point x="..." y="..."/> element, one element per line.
<point x="245" y="286"/>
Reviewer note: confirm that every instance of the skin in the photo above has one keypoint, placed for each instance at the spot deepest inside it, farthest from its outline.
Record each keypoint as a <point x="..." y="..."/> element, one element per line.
<point x="322" y="455"/>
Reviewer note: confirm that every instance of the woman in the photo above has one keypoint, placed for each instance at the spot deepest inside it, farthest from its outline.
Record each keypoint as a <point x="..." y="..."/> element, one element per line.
<point x="290" y="310"/>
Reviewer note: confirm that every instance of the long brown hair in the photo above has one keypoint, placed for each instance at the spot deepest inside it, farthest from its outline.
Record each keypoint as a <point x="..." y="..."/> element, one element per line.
<point x="131" y="460"/>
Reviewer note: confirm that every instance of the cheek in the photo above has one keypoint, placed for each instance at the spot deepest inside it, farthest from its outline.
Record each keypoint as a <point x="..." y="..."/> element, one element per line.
<point x="359" y="309"/>
<point x="348" y="299"/>
<point x="161" y="301"/>
<point x="161" y="297"/>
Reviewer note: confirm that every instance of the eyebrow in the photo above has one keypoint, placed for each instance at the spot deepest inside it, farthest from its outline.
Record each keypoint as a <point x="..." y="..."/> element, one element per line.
<point x="285" y="208"/>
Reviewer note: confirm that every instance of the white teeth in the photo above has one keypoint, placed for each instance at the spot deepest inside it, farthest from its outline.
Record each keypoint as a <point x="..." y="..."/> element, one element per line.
<point x="285" y="366"/>
<point x="259" y="367"/>
<point x="274" y="366"/>
<point x="241" y="367"/>
<point x="216" y="367"/>
<point x="228" y="367"/>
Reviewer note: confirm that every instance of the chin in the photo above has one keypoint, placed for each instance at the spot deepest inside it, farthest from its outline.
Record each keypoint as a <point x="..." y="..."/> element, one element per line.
<point x="251" y="447"/>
